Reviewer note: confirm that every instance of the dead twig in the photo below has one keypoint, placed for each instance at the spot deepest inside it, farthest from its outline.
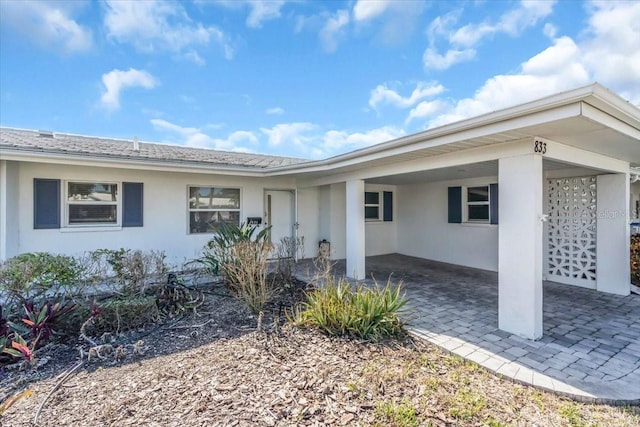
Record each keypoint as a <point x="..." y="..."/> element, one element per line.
<point x="55" y="388"/>
<point x="189" y="326"/>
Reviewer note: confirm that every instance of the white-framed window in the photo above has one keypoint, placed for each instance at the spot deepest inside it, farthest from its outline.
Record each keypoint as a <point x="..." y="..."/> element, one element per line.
<point x="477" y="205"/>
<point x="91" y="203"/>
<point x="372" y="206"/>
<point x="211" y="206"/>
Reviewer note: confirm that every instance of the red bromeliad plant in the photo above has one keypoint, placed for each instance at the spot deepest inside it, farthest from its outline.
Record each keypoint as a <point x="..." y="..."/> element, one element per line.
<point x="42" y="322"/>
<point x="19" y="349"/>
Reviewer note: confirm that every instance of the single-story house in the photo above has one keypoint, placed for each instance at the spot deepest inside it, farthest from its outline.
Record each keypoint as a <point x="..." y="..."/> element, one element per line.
<point x="539" y="191"/>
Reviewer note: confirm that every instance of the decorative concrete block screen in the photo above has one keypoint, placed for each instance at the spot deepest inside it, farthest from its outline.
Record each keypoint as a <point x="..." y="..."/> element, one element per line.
<point x="571" y="206"/>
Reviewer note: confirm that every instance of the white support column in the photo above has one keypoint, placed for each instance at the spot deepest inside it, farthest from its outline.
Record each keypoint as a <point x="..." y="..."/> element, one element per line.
<point x="520" y="245"/>
<point x="355" y="229"/>
<point x="612" y="241"/>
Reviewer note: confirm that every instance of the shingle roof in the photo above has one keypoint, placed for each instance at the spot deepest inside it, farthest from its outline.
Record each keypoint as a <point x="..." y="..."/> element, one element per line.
<point x="58" y="143"/>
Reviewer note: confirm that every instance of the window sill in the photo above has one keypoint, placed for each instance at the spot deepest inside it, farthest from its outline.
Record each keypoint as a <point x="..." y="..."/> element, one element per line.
<point x="377" y="221"/>
<point x="91" y="228"/>
<point x="478" y="224"/>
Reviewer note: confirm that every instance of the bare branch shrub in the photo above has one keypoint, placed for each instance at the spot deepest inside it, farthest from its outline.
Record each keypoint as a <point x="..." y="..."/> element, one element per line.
<point x="247" y="274"/>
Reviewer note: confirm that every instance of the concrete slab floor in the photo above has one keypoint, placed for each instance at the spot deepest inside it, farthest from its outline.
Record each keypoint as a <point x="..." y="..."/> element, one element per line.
<point x="590" y="350"/>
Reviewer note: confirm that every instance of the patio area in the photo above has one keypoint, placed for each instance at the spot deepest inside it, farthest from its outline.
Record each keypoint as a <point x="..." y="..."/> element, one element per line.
<point x="591" y="344"/>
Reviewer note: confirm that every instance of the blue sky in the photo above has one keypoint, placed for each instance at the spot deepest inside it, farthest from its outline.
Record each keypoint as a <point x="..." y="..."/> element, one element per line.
<point x="300" y="78"/>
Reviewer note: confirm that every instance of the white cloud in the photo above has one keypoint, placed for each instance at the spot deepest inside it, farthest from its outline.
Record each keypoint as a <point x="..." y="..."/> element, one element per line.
<point x="116" y="80"/>
<point x="275" y="111"/>
<point x="263" y="11"/>
<point x="611" y="49"/>
<point x="383" y="94"/>
<point x="153" y="25"/>
<point x="289" y="133"/>
<point x="334" y="30"/>
<point x="260" y="11"/>
<point x="194" y="57"/>
<point x="424" y="110"/>
<point x="341" y="141"/>
<point x="433" y="60"/>
<point x="365" y="10"/>
<point x="555" y="69"/>
<point x="48" y="24"/>
<point x="397" y="19"/>
<point x="194" y="137"/>
<point x="462" y="40"/>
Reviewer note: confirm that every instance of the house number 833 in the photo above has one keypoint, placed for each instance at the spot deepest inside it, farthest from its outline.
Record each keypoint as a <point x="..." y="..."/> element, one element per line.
<point x="539" y="147"/>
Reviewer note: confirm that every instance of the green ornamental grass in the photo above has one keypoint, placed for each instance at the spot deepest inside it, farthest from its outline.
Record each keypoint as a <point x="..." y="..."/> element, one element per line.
<point x="339" y="309"/>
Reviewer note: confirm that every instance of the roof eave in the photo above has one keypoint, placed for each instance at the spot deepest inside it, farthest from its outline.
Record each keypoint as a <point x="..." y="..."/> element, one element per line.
<point x="21" y="154"/>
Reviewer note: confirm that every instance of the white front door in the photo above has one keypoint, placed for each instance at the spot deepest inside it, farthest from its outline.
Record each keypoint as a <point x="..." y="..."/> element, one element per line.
<point x="279" y="214"/>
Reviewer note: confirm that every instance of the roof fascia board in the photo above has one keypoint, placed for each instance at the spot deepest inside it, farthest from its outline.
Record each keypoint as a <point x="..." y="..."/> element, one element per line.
<point x="615" y="106"/>
<point x="583" y="158"/>
<point x="453" y="159"/>
<point x="440" y="138"/>
<point x="69" y="159"/>
<point x="613" y="122"/>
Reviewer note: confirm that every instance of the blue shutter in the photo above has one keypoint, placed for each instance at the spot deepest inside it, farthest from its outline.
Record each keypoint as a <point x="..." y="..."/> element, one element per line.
<point x="387" y="205"/>
<point x="46" y="203"/>
<point x="455" y="205"/>
<point x="493" y="203"/>
<point x="132" y="204"/>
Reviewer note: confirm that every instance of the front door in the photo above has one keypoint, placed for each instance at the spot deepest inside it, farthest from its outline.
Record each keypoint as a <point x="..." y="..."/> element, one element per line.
<point x="279" y="215"/>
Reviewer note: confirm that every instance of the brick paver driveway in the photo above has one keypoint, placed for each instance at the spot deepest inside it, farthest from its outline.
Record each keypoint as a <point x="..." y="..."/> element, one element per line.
<point x="591" y="343"/>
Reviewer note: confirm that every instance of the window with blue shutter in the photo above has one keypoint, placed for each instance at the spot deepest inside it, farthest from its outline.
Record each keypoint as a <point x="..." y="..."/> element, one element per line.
<point x="493" y="203"/>
<point x="387" y="206"/>
<point x="132" y="204"/>
<point x="455" y="205"/>
<point x="46" y="203"/>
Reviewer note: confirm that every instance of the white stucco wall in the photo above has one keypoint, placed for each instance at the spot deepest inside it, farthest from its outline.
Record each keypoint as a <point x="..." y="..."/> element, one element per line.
<point x="423" y="230"/>
<point x="308" y="221"/>
<point x="380" y="236"/>
<point x="165" y="210"/>
<point x="9" y="214"/>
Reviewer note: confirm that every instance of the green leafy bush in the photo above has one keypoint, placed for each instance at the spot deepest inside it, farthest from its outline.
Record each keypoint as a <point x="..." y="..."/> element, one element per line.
<point x="218" y="252"/>
<point x="635" y="259"/>
<point x="240" y="254"/>
<point x="31" y="276"/>
<point x="121" y="314"/>
<point x="339" y="309"/>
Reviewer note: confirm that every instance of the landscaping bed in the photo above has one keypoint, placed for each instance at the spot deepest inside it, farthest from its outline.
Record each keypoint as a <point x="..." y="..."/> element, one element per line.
<point x="216" y="368"/>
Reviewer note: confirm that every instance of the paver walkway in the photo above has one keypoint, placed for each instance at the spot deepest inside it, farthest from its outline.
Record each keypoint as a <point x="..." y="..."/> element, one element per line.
<point x="591" y="344"/>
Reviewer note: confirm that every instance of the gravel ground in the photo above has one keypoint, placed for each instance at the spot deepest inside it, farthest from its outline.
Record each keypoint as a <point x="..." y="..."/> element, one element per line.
<point x="217" y="369"/>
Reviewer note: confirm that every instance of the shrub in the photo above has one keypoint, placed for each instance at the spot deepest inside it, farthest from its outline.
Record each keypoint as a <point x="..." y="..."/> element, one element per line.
<point x="32" y="276"/>
<point x="247" y="273"/>
<point x="635" y="259"/>
<point x="240" y="254"/>
<point x="121" y="314"/>
<point x="132" y="270"/>
<point x="339" y="309"/>
<point x="218" y="251"/>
